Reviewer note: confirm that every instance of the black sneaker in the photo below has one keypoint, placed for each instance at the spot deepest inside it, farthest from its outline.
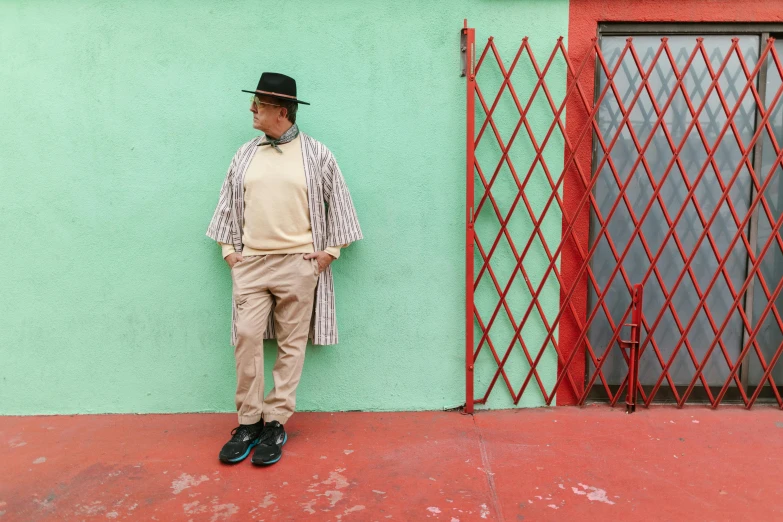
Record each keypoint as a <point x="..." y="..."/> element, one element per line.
<point x="270" y="445"/>
<point x="244" y="438"/>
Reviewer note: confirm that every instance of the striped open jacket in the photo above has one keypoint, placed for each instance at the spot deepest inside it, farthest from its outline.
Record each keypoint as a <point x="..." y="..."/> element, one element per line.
<point x="332" y="217"/>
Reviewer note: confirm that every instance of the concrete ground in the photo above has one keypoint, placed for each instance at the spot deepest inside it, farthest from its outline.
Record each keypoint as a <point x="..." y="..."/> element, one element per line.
<point x="592" y="463"/>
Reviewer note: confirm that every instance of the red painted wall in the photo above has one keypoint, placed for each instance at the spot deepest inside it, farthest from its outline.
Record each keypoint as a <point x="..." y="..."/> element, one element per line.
<point x="584" y="17"/>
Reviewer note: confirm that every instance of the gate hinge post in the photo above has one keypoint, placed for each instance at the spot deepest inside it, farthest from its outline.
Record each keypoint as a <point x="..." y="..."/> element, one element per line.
<point x="467" y="64"/>
<point x="463" y="49"/>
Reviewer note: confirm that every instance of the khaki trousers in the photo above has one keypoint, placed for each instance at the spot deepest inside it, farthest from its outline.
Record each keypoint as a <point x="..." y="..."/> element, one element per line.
<point x="288" y="281"/>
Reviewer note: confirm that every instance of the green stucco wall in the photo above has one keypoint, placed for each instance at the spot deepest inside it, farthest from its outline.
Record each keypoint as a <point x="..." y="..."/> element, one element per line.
<point x="118" y="123"/>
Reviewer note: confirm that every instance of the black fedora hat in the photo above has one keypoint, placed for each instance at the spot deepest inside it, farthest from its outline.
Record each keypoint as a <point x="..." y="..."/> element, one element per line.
<point x="277" y="85"/>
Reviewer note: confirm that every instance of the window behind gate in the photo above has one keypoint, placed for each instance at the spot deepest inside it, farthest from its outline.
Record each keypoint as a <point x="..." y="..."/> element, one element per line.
<point x="699" y="213"/>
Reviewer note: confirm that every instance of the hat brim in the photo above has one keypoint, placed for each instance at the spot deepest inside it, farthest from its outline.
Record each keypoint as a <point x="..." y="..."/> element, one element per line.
<point x="283" y="98"/>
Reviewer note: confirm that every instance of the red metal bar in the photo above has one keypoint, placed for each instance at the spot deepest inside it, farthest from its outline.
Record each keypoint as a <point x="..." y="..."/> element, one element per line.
<point x="574" y="282"/>
<point x="696" y="206"/>
<point x="553" y="260"/>
<point x="488" y="194"/>
<point x="723" y="197"/>
<point x="543" y="281"/>
<point x="470" y="39"/>
<point x="633" y="347"/>
<point x="625" y="112"/>
<point x="749" y="250"/>
<point x="648" y="208"/>
<point x="519" y="338"/>
<point x="520" y="193"/>
<point x="539" y="150"/>
<point x="764" y="313"/>
<point x="655" y="195"/>
<point x="703" y="220"/>
<point x="662" y="205"/>
<point x="607" y="219"/>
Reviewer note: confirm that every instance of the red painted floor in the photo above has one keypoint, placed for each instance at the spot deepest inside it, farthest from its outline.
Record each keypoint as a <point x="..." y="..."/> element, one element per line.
<point x="593" y="463"/>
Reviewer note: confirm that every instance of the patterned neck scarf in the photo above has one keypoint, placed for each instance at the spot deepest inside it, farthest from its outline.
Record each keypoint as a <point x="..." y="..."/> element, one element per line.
<point x="287" y="136"/>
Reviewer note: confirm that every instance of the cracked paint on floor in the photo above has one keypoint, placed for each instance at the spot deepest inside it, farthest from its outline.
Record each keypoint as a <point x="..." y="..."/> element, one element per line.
<point x="592" y="463"/>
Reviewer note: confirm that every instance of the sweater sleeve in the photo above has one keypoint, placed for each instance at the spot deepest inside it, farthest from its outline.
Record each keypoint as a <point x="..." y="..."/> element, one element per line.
<point x="334" y="251"/>
<point x="227" y="248"/>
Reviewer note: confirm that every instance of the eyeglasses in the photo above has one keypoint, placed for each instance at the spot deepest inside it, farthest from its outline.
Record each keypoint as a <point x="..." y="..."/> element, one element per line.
<point x="258" y="103"/>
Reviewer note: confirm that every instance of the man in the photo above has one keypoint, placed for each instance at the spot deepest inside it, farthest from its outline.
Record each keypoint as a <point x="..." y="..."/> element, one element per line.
<point x="283" y="215"/>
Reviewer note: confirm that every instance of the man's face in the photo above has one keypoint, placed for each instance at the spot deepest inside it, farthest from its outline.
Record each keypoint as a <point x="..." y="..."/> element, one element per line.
<point x="266" y="112"/>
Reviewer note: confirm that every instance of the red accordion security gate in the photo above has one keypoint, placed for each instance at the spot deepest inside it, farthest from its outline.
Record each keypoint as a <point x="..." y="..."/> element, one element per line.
<point x="623" y="221"/>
